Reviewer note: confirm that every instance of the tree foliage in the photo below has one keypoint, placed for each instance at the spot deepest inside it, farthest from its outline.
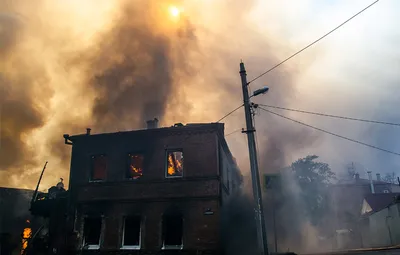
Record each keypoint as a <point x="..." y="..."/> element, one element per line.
<point x="313" y="178"/>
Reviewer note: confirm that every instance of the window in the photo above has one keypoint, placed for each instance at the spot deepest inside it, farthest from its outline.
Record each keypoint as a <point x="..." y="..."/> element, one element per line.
<point x="131" y="233"/>
<point x="135" y="168"/>
<point x="174" y="163"/>
<point x="99" y="168"/>
<point x="92" y="233"/>
<point x="172" y="231"/>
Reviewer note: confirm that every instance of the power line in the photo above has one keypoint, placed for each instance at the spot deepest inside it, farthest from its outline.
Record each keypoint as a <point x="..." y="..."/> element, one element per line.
<point x="237" y="108"/>
<point x="314" y="42"/>
<point x="332" y="116"/>
<point x="330" y="133"/>
<point x="233" y="132"/>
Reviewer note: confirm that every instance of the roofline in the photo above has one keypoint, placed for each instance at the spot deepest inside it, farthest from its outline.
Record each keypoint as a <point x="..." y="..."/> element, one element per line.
<point x="185" y="128"/>
<point x="16" y="189"/>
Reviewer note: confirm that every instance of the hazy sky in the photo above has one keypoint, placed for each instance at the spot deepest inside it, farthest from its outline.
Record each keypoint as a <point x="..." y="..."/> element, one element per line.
<point x="110" y="65"/>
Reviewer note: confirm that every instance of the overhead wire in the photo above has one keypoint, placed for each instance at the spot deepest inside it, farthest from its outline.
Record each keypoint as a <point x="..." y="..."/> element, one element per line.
<point x="229" y="113"/>
<point x="314" y="42"/>
<point x="233" y="132"/>
<point x="331" y="133"/>
<point x="331" y="116"/>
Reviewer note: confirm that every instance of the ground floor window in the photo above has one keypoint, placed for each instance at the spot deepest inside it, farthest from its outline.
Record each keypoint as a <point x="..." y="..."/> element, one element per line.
<point x="92" y="232"/>
<point x="131" y="232"/>
<point x="173" y="231"/>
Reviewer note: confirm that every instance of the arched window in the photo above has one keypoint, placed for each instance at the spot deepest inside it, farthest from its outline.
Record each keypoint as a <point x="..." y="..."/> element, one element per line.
<point x="172" y="229"/>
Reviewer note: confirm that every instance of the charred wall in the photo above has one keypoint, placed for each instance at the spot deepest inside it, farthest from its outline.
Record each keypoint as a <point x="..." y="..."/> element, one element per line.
<point x="197" y="195"/>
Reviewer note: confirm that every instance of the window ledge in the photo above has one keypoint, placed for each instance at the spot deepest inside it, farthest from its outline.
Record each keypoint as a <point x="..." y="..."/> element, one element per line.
<point x="93" y="247"/>
<point x="172" y="247"/>
<point x="130" y="247"/>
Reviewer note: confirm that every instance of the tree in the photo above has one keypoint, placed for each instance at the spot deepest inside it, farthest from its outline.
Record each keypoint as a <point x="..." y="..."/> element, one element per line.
<point x="313" y="179"/>
<point x="390" y="178"/>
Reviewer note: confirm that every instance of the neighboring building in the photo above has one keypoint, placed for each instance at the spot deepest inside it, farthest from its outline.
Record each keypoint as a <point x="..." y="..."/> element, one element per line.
<point x="347" y="197"/>
<point x="150" y="190"/>
<point x="14" y="218"/>
<point x="380" y="222"/>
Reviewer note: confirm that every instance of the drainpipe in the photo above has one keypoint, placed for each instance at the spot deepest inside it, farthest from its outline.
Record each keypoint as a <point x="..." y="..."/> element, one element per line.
<point x="371" y="182"/>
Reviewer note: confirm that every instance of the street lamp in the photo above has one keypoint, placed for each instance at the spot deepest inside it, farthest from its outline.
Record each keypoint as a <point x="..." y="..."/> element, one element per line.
<point x="263" y="90"/>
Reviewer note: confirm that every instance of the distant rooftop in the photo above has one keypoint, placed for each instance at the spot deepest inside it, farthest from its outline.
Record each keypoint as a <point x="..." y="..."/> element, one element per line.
<point x="360" y="181"/>
<point x="379" y="201"/>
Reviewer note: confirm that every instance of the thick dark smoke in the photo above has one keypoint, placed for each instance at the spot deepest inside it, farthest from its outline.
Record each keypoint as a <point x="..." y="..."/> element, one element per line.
<point x="238" y="224"/>
<point x="132" y="70"/>
<point x="131" y="74"/>
<point x="19" y="113"/>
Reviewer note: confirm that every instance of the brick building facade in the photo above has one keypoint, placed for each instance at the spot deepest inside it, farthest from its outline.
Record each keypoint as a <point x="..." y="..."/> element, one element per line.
<point x="152" y="191"/>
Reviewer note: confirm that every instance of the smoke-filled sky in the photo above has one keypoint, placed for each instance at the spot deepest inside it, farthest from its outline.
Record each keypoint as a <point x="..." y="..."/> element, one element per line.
<point x="111" y="65"/>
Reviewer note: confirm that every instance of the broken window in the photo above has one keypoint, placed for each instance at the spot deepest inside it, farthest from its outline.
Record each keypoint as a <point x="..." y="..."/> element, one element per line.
<point x="92" y="232"/>
<point x="135" y="168"/>
<point x="99" y="168"/>
<point x="174" y="163"/>
<point x="172" y="231"/>
<point x="131" y="233"/>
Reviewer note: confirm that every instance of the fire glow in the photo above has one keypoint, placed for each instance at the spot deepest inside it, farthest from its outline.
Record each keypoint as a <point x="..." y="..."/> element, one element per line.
<point x="136" y="166"/>
<point x="26" y="235"/>
<point x="175" y="164"/>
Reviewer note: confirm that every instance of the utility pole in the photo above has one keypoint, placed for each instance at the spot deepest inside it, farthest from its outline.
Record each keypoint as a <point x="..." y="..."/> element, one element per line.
<point x="261" y="230"/>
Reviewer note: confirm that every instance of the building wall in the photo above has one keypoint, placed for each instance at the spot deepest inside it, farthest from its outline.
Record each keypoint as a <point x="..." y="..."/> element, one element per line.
<point x="207" y="160"/>
<point x="200" y="231"/>
<point x="382" y="228"/>
<point x="199" y="149"/>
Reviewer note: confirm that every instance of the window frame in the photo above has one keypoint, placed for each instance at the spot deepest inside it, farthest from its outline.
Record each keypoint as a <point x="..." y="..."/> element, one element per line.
<point x="172" y="247"/>
<point x="92" y="167"/>
<point x="93" y="246"/>
<point x="131" y="247"/>
<point x="167" y="151"/>
<point x="129" y="162"/>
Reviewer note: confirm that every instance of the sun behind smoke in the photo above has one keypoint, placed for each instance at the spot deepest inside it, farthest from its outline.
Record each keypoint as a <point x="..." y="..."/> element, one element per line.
<point x="174" y="11"/>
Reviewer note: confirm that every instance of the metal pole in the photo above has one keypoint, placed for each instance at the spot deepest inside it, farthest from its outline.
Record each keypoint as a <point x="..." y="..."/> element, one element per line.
<point x="261" y="230"/>
<point x="274" y="220"/>
<point x="37" y="187"/>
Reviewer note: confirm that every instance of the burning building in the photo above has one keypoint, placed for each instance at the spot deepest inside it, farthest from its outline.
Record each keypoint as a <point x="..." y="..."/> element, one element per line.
<point x="16" y="223"/>
<point x="157" y="190"/>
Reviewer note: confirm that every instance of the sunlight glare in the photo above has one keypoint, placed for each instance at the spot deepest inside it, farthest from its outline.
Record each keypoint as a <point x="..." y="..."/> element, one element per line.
<point x="174" y="11"/>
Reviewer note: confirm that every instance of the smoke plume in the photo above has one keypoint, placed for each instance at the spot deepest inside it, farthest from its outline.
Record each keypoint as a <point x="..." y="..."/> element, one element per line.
<point x="111" y="67"/>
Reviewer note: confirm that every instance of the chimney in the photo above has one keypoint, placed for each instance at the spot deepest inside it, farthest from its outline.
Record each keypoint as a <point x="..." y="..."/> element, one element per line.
<point x="378" y="177"/>
<point x="152" y="123"/>
<point x="371" y="182"/>
<point x="357" y="176"/>
<point x="88" y="131"/>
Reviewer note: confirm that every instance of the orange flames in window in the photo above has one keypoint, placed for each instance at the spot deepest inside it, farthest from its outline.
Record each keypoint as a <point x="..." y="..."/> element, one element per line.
<point x="136" y="166"/>
<point x="175" y="166"/>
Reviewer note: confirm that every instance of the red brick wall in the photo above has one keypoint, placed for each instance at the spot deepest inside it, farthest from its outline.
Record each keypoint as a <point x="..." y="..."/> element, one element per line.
<point x="153" y="194"/>
<point x="150" y="190"/>
<point x="199" y="151"/>
<point x="201" y="232"/>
